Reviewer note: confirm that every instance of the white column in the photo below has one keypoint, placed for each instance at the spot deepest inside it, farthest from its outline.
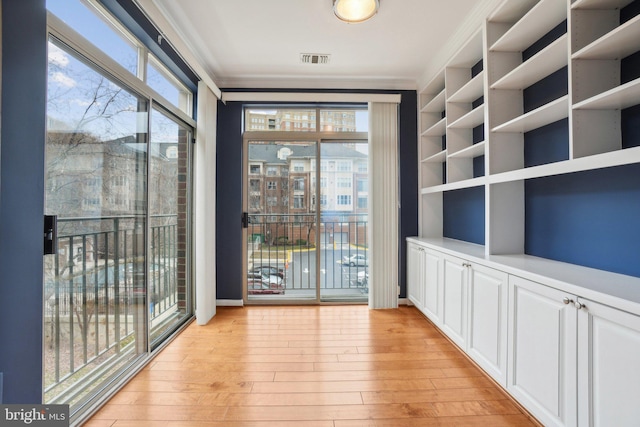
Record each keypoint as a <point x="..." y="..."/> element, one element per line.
<point x="204" y="230"/>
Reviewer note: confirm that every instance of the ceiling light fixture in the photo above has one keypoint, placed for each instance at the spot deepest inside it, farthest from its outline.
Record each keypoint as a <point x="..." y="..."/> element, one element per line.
<point x="353" y="11"/>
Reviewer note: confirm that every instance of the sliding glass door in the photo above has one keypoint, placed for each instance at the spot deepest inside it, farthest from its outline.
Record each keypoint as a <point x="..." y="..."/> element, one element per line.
<point x="117" y="198"/>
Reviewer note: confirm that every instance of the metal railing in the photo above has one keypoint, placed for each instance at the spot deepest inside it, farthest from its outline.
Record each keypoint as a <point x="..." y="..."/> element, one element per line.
<point x="288" y="245"/>
<point x="95" y="295"/>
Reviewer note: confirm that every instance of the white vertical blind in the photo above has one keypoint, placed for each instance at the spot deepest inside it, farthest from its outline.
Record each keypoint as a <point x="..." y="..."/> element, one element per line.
<point x="205" y="205"/>
<point x="383" y="209"/>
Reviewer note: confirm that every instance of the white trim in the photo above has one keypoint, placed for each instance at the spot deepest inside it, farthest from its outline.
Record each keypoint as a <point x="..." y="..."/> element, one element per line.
<point x="309" y="97"/>
<point x="178" y="41"/>
<point x="230" y="303"/>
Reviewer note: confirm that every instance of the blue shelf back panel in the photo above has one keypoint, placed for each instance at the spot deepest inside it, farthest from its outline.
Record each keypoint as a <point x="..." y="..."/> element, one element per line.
<point x="552" y="87"/>
<point x="586" y="218"/>
<point x="463" y="214"/>
<point x="630" y="126"/>
<point x="630" y="11"/>
<point x="545" y="41"/>
<point x="547" y="144"/>
<point x="478" y="166"/>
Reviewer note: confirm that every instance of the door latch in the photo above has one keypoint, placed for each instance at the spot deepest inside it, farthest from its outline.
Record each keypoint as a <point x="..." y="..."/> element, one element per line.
<point x="50" y="234"/>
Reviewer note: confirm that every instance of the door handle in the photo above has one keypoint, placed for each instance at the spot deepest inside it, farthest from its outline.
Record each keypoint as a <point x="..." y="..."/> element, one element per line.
<point x="50" y="234"/>
<point x="245" y="220"/>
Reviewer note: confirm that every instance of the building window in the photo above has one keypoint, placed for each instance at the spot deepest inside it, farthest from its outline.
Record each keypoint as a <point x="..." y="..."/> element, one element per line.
<point x="323" y="200"/>
<point x="298" y="167"/>
<point x="344" y="166"/>
<point x="298" y="202"/>
<point x="342" y="182"/>
<point x="362" y="202"/>
<point x="298" y="184"/>
<point x="363" y="185"/>
<point x="272" y="171"/>
<point x="362" y="167"/>
<point x="254" y="202"/>
<point x="323" y="182"/>
<point x="272" y="201"/>
<point x="272" y="185"/>
<point x="254" y="169"/>
<point x="344" y="200"/>
<point x="254" y="185"/>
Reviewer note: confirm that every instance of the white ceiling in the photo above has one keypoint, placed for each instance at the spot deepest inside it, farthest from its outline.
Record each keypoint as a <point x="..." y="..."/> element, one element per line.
<point x="257" y="43"/>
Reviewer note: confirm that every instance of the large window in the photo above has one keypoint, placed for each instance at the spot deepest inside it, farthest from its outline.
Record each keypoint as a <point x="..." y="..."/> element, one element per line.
<point x="118" y="178"/>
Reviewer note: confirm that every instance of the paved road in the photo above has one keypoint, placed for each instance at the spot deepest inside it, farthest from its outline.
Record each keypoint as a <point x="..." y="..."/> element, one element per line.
<point x="301" y="273"/>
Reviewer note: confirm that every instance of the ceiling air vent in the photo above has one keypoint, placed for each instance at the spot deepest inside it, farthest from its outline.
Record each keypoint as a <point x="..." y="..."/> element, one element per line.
<point x="314" y="58"/>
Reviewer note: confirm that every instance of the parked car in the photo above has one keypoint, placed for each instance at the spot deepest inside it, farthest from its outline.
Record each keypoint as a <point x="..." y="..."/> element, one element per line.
<point x="258" y="287"/>
<point x="357" y="259"/>
<point x="270" y="270"/>
<point x="264" y="277"/>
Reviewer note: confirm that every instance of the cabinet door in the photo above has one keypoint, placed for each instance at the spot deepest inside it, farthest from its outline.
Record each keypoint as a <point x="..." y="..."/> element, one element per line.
<point x="454" y="308"/>
<point x="542" y="351"/>
<point x="608" y="366"/>
<point x="432" y="303"/>
<point x="415" y="274"/>
<point x="487" y="343"/>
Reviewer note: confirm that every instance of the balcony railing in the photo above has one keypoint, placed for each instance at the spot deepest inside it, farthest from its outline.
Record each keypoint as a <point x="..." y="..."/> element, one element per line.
<point x="95" y="296"/>
<point x="291" y="243"/>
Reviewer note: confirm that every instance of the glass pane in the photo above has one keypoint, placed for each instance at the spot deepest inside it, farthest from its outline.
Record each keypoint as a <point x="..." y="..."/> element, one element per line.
<point x="163" y="82"/>
<point x="292" y="120"/>
<point x="169" y="218"/>
<point x="95" y="286"/>
<point x="344" y="245"/>
<point x="96" y="28"/>
<point x="281" y="236"/>
<point x="344" y="120"/>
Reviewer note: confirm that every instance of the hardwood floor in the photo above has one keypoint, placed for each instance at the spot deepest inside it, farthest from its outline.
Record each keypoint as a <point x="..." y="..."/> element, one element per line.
<point x="324" y="366"/>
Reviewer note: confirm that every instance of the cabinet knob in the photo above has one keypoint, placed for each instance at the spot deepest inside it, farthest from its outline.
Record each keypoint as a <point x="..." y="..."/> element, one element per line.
<point x="579" y="305"/>
<point x="567" y="300"/>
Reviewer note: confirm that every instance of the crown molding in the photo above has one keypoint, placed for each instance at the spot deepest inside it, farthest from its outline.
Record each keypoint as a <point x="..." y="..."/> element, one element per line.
<point x="468" y="28"/>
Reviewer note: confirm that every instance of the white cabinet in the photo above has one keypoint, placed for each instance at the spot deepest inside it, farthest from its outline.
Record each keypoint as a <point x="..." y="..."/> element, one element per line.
<point x="432" y="304"/>
<point x="454" y="314"/>
<point x="424" y="283"/>
<point x="474" y="312"/>
<point x="608" y="366"/>
<point x="542" y="351"/>
<point x="415" y="274"/>
<point x="487" y="342"/>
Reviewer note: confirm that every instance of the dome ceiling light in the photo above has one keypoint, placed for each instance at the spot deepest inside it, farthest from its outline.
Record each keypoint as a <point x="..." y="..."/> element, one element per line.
<point x="353" y="11"/>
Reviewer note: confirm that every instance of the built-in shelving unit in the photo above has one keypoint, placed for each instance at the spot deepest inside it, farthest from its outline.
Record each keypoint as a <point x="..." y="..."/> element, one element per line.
<point x="546" y="88"/>
<point x="605" y="79"/>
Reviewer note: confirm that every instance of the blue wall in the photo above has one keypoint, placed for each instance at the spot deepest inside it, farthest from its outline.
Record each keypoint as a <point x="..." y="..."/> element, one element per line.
<point x="229" y="195"/>
<point x="24" y="72"/>
<point x="463" y="214"/>
<point x="586" y="218"/>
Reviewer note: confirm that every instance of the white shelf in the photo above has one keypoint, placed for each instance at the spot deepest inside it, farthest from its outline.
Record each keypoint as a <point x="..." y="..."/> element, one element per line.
<point x="471" y="91"/>
<point x="467" y="183"/>
<point x="600" y="4"/>
<point x="543" y="63"/>
<point x="436" y="158"/>
<point x="438" y="129"/>
<point x="474" y="151"/>
<point x="597" y="161"/>
<point x="624" y="96"/>
<point x="469" y="54"/>
<point x="616" y="44"/>
<point x="470" y="120"/>
<point x="436" y="105"/>
<point x="548" y="113"/>
<point x="542" y="18"/>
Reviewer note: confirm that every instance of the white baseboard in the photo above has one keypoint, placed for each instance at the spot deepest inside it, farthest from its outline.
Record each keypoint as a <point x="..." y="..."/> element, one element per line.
<point x="404" y="301"/>
<point x="229" y="303"/>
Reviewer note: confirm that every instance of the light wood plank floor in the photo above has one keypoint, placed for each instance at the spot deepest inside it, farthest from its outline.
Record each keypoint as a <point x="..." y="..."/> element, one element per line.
<point x="324" y="366"/>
